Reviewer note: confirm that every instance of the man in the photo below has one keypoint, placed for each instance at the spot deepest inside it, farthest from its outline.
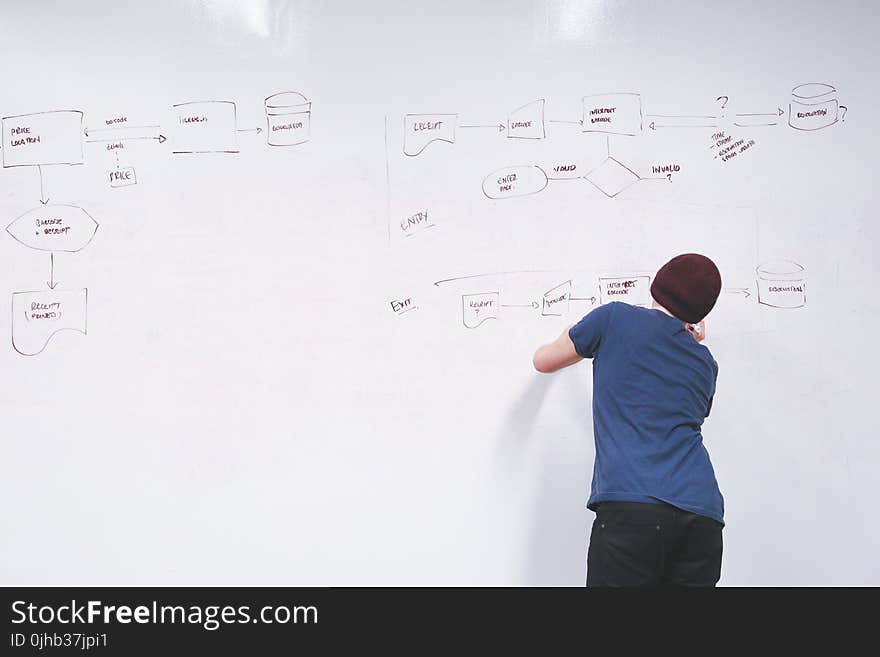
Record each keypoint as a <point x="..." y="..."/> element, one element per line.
<point x="659" y="511"/>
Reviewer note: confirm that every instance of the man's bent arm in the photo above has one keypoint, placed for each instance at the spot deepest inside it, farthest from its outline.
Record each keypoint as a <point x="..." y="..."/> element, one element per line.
<point x="556" y="355"/>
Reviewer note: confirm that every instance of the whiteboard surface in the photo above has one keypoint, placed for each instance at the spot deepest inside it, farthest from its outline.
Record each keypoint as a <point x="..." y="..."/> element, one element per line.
<point x="304" y="251"/>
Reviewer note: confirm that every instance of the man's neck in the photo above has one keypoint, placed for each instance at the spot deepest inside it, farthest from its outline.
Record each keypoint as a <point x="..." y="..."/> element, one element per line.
<point x="657" y="306"/>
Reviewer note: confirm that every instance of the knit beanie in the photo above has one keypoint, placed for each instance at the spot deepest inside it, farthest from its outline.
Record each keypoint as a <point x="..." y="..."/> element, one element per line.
<point x="687" y="286"/>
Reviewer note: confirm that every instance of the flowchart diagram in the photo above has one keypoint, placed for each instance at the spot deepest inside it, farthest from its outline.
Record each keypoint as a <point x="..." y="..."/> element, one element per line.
<point x="558" y="300"/>
<point x="730" y="135"/>
<point x="810" y="107"/>
<point x="61" y="138"/>
<point x="611" y="114"/>
<point x="778" y="284"/>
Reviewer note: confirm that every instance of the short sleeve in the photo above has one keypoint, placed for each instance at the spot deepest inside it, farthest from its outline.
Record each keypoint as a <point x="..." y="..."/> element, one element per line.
<point x="587" y="334"/>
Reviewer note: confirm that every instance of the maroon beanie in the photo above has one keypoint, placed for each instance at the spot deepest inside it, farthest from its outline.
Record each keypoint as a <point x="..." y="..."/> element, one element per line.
<point x="687" y="286"/>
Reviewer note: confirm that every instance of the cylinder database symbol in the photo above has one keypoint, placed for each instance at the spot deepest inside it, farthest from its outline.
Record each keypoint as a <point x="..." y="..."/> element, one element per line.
<point x="288" y="119"/>
<point x="814" y="106"/>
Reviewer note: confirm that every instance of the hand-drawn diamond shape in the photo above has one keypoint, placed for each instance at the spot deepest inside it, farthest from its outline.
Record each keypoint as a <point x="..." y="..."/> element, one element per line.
<point x="611" y="177"/>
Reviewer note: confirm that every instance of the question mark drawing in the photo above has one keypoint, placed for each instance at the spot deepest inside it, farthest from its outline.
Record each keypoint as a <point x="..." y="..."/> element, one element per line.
<point x="843" y="107"/>
<point x="669" y="175"/>
<point x="724" y="104"/>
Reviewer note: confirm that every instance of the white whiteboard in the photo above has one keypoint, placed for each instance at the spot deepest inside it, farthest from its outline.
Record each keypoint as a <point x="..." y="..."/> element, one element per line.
<point x="304" y="251"/>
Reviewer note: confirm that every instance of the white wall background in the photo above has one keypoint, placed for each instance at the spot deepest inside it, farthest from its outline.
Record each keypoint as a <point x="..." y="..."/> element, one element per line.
<point x="247" y="409"/>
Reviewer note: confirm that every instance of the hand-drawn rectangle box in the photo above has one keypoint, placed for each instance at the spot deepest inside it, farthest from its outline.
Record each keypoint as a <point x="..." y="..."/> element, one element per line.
<point x="615" y="114"/>
<point x="205" y="127"/>
<point x="122" y="177"/>
<point x="634" y="290"/>
<point x="43" y="138"/>
<point x="555" y="301"/>
<point x="527" y="122"/>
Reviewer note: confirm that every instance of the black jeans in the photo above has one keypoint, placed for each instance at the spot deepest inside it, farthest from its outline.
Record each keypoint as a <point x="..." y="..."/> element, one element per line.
<point x="636" y="544"/>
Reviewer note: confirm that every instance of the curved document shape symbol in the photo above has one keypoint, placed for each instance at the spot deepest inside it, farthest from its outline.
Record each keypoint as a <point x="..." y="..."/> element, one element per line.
<point x="38" y="316"/>
<point x="420" y="130"/>
<point x="54" y="228"/>
<point x="477" y="308"/>
<point x="514" y="181"/>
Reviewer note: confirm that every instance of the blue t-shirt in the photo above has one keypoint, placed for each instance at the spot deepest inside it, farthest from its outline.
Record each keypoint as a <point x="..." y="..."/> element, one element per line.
<point x="653" y="386"/>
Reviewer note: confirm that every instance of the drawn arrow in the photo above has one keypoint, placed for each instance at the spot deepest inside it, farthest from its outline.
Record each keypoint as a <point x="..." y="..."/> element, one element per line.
<point x="738" y="290"/>
<point x="533" y="304"/>
<point x="160" y="138"/>
<point x="590" y="299"/>
<point x="88" y="131"/>
<point x="581" y="122"/>
<point x="51" y="282"/>
<point x="778" y="112"/>
<point x="123" y="133"/>
<point x="258" y="130"/>
<point x="43" y="198"/>
<point x="654" y="126"/>
<point x="680" y="116"/>
<point x="499" y="126"/>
